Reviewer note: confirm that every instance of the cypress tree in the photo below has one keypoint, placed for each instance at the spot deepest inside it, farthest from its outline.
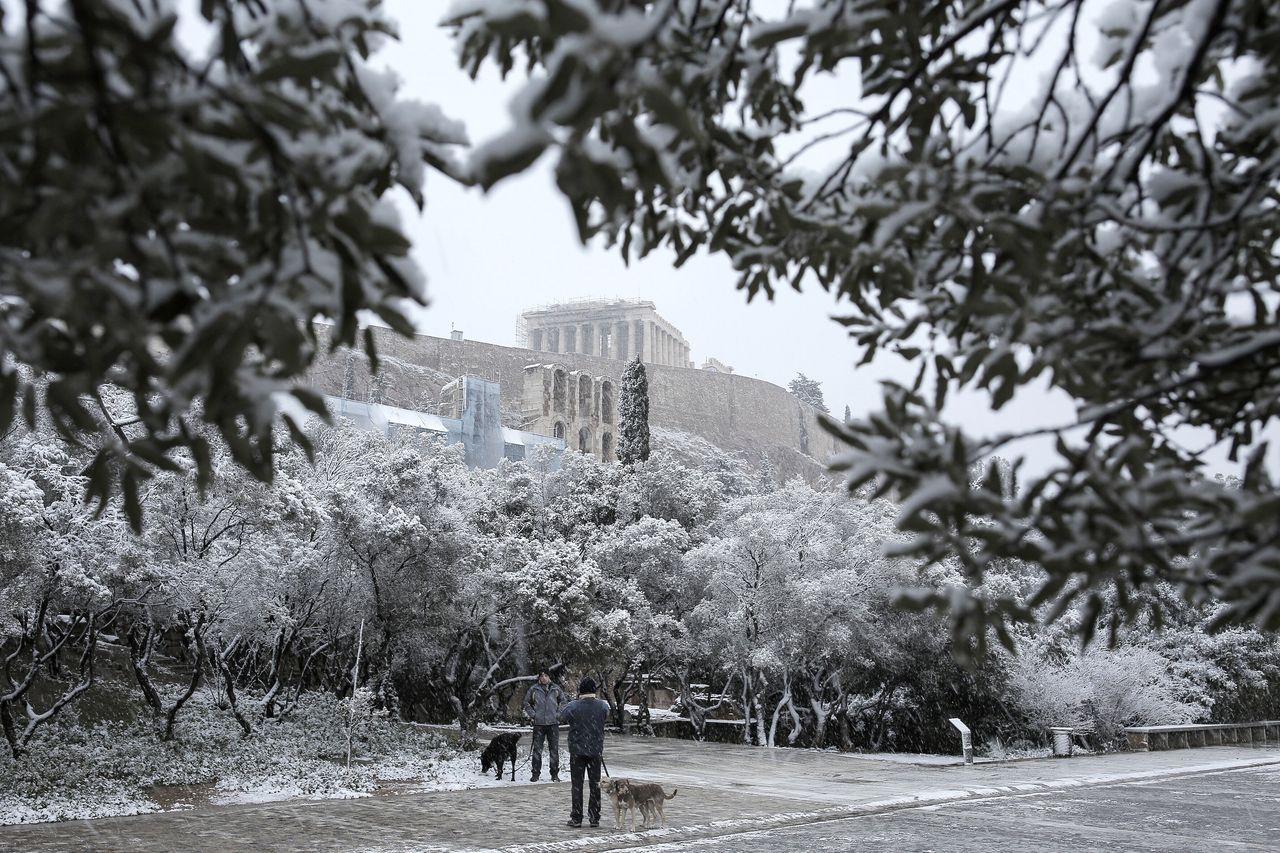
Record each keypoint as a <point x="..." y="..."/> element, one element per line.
<point x="633" y="414"/>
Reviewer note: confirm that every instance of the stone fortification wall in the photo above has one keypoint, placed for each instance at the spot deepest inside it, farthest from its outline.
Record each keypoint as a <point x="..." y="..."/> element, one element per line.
<point x="732" y="411"/>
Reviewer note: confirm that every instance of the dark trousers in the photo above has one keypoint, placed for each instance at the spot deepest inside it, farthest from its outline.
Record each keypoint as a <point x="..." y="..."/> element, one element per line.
<point x="551" y="734"/>
<point x="590" y="766"/>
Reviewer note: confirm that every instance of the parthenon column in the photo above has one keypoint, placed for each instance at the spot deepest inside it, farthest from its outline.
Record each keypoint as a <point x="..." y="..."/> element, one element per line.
<point x="637" y="334"/>
<point x="584" y="336"/>
<point x="570" y="338"/>
<point x="620" y="331"/>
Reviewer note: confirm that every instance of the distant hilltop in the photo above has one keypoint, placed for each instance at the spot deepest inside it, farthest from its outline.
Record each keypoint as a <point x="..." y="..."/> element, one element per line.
<point x="564" y="380"/>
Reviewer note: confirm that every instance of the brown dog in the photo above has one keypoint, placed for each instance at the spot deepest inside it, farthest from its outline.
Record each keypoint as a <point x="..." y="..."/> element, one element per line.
<point x="620" y="794"/>
<point x="633" y="795"/>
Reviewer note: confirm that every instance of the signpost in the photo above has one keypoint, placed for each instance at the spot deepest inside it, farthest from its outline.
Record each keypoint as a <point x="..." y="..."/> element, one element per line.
<point x="966" y="739"/>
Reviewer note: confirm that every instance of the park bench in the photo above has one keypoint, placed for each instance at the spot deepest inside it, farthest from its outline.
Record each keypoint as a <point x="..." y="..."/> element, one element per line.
<point x="1150" y="738"/>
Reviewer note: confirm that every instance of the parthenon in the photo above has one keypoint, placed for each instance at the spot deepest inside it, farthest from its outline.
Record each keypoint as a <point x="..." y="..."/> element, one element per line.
<point x="607" y="328"/>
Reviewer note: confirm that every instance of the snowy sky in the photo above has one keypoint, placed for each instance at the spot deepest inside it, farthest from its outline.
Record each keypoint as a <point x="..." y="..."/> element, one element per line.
<point x="488" y="257"/>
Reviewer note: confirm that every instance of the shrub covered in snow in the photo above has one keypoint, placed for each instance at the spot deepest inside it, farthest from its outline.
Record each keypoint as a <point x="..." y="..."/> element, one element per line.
<point x="77" y="770"/>
<point x="1108" y="688"/>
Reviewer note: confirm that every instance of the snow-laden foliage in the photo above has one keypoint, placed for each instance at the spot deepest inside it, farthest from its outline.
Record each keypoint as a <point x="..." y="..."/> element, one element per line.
<point x="175" y="215"/>
<point x="1106" y="688"/>
<point x="1077" y="194"/>
<point x="391" y="581"/>
<point x="89" y="769"/>
<point x="808" y="391"/>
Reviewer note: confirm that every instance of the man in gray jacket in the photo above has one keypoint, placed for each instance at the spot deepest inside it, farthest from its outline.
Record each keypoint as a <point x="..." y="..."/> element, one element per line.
<point x="542" y="706"/>
<point x="586" y="717"/>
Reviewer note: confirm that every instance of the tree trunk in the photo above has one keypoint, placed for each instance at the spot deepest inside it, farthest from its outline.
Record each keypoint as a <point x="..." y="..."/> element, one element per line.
<point x="697" y="715"/>
<point x="797" y="725"/>
<point x="287" y="707"/>
<point x="821" y="715"/>
<point x="18" y="741"/>
<point x="172" y="716"/>
<point x="777" y="714"/>
<point x="10" y="733"/>
<point x="758" y="708"/>
<point x="466" y="727"/>
<point x="274" y="675"/>
<point x="822" y="710"/>
<point x="219" y="658"/>
<point x="643" y="722"/>
<point x="620" y="698"/>
<point x="846" y="736"/>
<point x="140" y="661"/>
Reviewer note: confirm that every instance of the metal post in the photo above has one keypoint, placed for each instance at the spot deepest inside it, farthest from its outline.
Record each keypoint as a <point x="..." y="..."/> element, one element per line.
<point x="355" y="679"/>
<point x="966" y="739"/>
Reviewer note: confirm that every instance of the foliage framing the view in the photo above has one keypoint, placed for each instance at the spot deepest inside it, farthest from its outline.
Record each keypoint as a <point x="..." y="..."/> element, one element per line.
<point x="1071" y="193"/>
<point x="174" y="222"/>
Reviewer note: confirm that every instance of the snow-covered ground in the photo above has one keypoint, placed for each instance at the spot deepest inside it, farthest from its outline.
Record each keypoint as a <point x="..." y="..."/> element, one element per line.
<point x="109" y="769"/>
<point x="656" y="715"/>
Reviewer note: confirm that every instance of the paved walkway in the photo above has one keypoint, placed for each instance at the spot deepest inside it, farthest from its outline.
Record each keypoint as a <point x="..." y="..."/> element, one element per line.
<point x="1225" y="810"/>
<point x="723" y="789"/>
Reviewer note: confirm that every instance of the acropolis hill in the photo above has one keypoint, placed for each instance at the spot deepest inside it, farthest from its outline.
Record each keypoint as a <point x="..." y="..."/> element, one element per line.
<point x="564" y="379"/>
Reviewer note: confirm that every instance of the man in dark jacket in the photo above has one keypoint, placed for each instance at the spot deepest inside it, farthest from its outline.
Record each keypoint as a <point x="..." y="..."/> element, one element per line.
<point x="586" y="717"/>
<point x="542" y="706"/>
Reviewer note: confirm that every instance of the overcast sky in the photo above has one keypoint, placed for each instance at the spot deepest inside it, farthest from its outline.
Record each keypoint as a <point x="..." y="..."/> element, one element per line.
<point x="490" y="256"/>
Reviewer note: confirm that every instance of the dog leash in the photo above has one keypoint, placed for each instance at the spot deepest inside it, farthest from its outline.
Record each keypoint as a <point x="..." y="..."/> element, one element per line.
<point x="605" y="765"/>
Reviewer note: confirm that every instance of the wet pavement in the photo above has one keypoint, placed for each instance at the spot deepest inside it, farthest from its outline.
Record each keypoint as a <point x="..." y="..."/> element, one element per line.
<point x="1227" y="810"/>
<point x="728" y="790"/>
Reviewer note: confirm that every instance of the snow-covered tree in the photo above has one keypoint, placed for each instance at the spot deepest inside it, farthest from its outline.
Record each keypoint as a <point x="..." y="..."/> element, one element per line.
<point x="63" y="572"/>
<point x="807" y="390"/>
<point x="633" y="414"/>
<point x="176" y="217"/>
<point x="1107" y="688"/>
<point x="786" y="577"/>
<point x="1074" y="194"/>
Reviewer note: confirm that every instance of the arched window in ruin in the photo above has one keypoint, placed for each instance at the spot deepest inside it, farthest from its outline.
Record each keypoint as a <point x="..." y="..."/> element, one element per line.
<point x="559" y="391"/>
<point x="584" y="396"/>
<point x="558" y="430"/>
<point x="606" y="402"/>
<point x="606" y="447"/>
<point x="584" y="440"/>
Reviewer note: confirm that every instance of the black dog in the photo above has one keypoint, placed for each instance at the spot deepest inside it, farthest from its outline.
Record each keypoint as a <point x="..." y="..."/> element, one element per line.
<point x="501" y="749"/>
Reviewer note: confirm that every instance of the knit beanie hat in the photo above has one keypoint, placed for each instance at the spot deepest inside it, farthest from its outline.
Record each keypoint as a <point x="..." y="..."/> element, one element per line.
<point x="587" y="685"/>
